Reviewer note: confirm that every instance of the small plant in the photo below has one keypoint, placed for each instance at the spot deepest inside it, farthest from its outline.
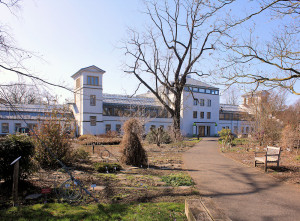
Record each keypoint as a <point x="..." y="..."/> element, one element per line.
<point x="107" y="167"/>
<point x="298" y="158"/>
<point x="178" y="179"/>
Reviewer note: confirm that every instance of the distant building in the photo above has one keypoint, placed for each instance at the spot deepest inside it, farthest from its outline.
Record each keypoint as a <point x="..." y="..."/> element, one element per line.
<point x="94" y="112"/>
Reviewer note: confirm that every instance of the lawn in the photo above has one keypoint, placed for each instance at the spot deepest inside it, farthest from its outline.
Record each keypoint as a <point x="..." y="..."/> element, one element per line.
<point x="56" y="211"/>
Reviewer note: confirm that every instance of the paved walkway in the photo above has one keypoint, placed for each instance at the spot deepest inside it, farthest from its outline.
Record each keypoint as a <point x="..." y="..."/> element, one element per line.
<point x="244" y="193"/>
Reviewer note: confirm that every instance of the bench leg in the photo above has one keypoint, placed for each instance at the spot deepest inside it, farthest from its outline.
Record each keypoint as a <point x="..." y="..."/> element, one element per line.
<point x="254" y="163"/>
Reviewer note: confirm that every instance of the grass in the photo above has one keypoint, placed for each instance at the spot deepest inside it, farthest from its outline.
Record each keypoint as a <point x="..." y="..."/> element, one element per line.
<point x="57" y="211"/>
<point x="187" y="143"/>
<point x="178" y="179"/>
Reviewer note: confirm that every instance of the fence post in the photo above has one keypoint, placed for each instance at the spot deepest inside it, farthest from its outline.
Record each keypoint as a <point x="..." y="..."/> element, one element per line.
<point x="15" y="181"/>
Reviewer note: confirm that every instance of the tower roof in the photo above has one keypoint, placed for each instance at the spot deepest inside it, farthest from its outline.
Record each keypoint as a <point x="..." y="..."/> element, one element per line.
<point x="91" y="68"/>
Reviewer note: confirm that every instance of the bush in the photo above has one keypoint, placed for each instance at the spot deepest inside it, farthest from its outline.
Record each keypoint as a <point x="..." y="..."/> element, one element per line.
<point x="80" y="154"/>
<point x="50" y="134"/>
<point x="178" y="179"/>
<point x="133" y="151"/>
<point x="11" y="147"/>
<point x="226" y="136"/>
<point x="158" y="136"/>
<point x="104" y="167"/>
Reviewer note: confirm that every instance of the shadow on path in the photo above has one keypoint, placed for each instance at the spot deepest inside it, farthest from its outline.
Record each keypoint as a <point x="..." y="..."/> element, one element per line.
<point x="243" y="192"/>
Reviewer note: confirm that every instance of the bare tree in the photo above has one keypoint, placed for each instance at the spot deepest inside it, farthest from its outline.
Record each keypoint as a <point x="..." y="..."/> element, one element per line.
<point x="272" y="63"/>
<point x="264" y="118"/>
<point x="182" y="33"/>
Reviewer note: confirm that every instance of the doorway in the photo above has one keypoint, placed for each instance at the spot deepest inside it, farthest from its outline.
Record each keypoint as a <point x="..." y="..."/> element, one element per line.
<point x="202" y="131"/>
<point x="208" y="131"/>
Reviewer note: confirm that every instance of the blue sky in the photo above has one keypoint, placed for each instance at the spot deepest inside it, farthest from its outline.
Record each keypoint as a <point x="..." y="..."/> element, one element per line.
<point x="70" y="34"/>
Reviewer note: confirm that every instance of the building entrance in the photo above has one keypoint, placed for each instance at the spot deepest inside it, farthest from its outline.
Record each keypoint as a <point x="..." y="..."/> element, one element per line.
<point x="202" y="131"/>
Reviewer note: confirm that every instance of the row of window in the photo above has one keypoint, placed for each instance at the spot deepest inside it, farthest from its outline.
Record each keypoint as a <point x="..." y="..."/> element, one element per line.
<point x="108" y="128"/>
<point x="5" y="127"/>
<point x="201" y="115"/>
<point x="118" y="127"/>
<point x="232" y="116"/>
<point x="243" y="129"/>
<point x="201" y="90"/>
<point x="202" y="102"/>
<point x="129" y="111"/>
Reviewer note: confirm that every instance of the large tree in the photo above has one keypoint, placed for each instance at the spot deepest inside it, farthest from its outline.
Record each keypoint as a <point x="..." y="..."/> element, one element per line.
<point x="182" y="33"/>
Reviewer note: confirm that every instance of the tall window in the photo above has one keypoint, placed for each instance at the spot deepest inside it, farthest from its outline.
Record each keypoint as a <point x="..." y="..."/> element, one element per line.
<point x="194" y="114"/>
<point x="209" y="102"/>
<point x="93" y="120"/>
<point x="17" y="126"/>
<point x="201" y="102"/>
<point x="195" y="102"/>
<point x="107" y="128"/>
<point x="5" y="128"/>
<point x="208" y="115"/>
<point x="93" y="100"/>
<point x="118" y="128"/>
<point x="202" y="115"/>
<point x="78" y="82"/>
<point x="91" y="80"/>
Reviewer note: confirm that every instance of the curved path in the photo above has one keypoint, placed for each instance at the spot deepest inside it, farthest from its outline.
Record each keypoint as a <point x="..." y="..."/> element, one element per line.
<point x="243" y="193"/>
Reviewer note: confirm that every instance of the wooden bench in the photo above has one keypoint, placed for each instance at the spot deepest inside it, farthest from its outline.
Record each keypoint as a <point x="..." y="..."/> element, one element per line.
<point x="272" y="155"/>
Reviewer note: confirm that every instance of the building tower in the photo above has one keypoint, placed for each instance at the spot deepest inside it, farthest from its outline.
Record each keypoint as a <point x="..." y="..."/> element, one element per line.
<point x="88" y="100"/>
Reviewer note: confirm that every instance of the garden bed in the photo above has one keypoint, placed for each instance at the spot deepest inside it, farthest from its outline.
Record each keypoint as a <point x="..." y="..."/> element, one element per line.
<point x="130" y="185"/>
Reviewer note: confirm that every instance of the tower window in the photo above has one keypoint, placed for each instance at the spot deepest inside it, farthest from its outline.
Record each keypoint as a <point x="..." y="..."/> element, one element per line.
<point x="91" y="80"/>
<point x="78" y="82"/>
<point x="93" y="120"/>
<point x="93" y="100"/>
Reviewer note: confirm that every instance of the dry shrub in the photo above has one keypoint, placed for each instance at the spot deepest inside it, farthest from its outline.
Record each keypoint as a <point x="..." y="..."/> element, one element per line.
<point x="290" y="137"/>
<point x="133" y="152"/>
<point x="86" y="137"/>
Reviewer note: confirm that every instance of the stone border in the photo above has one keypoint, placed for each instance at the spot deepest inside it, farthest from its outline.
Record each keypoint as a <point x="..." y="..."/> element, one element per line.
<point x="204" y="210"/>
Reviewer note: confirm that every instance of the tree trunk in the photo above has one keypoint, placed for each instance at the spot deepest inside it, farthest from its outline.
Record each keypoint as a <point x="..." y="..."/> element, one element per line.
<point x="176" y="116"/>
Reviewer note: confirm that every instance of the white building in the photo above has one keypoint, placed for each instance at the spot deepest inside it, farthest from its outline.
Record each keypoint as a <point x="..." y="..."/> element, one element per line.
<point x="97" y="113"/>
